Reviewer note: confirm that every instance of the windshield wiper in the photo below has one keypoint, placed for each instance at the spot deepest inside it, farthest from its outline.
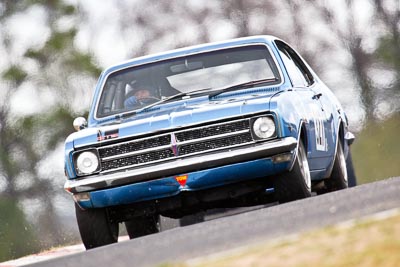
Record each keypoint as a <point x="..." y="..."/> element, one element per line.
<point x="241" y="86"/>
<point x="167" y="99"/>
<point x="214" y="93"/>
<point x="180" y="95"/>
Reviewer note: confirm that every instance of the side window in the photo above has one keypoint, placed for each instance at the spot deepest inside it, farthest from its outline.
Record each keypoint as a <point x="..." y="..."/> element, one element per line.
<point x="294" y="72"/>
<point x="298" y="71"/>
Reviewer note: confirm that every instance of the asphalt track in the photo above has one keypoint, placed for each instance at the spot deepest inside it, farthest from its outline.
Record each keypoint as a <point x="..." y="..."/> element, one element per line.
<point x="241" y="229"/>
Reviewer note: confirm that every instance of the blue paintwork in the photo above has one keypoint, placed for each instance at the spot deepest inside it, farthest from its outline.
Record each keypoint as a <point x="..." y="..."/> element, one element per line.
<point x="293" y="108"/>
<point x="168" y="186"/>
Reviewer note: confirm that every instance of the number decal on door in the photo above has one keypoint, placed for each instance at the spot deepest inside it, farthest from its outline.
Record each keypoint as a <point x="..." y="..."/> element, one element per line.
<point x="319" y="127"/>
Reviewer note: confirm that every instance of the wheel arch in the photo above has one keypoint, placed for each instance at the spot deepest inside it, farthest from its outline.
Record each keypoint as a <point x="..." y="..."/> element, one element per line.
<point x="301" y="137"/>
<point x="340" y="135"/>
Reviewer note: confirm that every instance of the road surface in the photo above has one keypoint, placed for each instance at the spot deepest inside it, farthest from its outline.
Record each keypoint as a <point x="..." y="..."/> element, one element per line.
<point x="234" y="231"/>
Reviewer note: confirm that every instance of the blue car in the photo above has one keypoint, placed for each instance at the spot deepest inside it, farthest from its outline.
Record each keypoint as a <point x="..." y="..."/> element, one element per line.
<point x="235" y="123"/>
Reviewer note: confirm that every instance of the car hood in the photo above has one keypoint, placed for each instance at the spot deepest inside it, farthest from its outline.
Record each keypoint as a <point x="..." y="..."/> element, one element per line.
<point x="174" y="116"/>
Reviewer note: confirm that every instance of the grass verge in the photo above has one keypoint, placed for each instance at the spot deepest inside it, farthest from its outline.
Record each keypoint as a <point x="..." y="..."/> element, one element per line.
<point x="376" y="151"/>
<point x="371" y="242"/>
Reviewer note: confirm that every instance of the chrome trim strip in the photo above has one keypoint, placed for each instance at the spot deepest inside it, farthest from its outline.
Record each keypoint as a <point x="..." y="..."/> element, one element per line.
<point x="256" y="151"/>
<point x="132" y="141"/>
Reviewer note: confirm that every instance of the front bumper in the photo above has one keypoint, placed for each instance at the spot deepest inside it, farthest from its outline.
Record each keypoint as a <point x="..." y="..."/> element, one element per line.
<point x="160" y="190"/>
<point x="181" y="166"/>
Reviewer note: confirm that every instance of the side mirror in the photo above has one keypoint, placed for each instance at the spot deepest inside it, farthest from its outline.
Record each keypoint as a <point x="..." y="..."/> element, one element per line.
<point x="80" y="123"/>
<point x="349" y="137"/>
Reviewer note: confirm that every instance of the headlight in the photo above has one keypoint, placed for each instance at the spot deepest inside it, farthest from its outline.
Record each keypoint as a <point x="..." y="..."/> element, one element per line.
<point x="87" y="162"/>
<point x="264" y="127"/>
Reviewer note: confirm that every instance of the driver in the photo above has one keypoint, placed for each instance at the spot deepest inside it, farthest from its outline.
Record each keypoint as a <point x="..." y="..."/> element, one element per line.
<point x="141" y="95"/>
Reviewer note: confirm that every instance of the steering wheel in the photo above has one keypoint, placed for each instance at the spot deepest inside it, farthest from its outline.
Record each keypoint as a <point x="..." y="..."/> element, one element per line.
<point x="148" y="100"/>
<point x="135" y="99"/>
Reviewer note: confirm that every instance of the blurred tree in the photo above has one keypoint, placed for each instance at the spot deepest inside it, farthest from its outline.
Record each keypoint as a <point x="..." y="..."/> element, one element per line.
<point x="239" y="13"/>
<point x="366" y="63"/>
<point x="351" y="38"/>
<point x="159" y="25"/>
<point x="26" y="141"/>
<point x="388" y="51"/>
<point x="16" y="234"/>
<point x="162" y="25"/>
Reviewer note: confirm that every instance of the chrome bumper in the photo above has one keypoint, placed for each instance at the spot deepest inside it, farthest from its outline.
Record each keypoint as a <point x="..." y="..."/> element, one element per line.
<point x="181" y="166"/>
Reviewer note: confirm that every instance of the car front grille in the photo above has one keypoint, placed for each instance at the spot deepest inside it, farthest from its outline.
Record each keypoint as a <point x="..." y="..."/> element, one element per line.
<point x="215" y="144"/>
<point x="174" y="145"/>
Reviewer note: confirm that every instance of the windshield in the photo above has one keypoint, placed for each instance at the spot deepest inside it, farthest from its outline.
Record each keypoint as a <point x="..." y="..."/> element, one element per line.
<point x="137" y="87"/>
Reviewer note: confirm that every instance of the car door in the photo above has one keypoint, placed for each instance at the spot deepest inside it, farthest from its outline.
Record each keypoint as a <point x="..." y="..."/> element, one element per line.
<point x="319" y="125"/>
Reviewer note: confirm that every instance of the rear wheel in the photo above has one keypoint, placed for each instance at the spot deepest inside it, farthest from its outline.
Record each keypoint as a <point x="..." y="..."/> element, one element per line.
<point x="351" y="174"/>
<point x="338" y="179"/>
<point x="142" y="226"/>
<point x="95" y="227"/>
<point x="295" y="184"/>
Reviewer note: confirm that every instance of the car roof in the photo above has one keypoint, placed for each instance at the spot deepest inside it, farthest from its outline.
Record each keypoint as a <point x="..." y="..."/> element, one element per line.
<point x="191" y="50"/>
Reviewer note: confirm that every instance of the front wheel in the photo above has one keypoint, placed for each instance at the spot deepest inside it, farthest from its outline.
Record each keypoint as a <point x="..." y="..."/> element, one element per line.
<point x="142" y="226"/>
<point x="95" y="227"/>
<point x="295" y="184"/>
<point x="192" y="219"/>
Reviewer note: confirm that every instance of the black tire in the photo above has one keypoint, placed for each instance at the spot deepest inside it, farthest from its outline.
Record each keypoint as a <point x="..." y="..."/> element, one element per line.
<point x="351" y="175"/>
<point x="192" y="219"/>
<point x="142" y="226"/>
<point x="295" y="184"/>
<point x="338" y="179"/>
<point x="95" y="227"/>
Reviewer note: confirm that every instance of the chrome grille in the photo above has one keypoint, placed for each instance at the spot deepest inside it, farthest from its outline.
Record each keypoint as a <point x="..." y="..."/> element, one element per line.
<point x="212" y="130"/>
<point x="137" y="159"/>
<point x="215" y="144"/>
<point x="177" y="144"/>
<point x="134" y="146"/>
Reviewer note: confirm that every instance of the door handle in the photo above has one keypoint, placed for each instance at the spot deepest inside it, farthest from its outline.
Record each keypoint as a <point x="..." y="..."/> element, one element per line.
<point x="317" y="96"/>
